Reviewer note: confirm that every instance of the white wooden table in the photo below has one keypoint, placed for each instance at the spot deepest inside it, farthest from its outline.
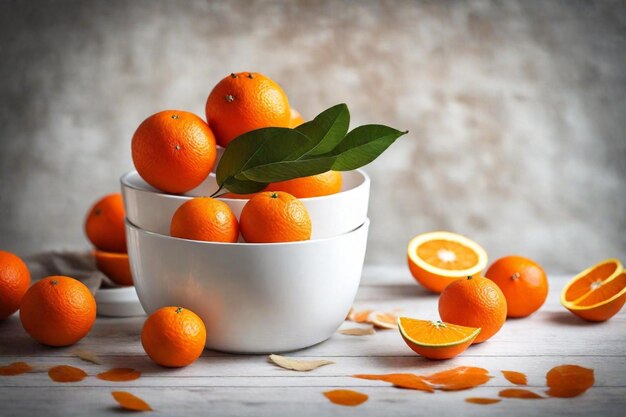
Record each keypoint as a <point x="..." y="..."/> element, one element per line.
<point x="226" y="385"/>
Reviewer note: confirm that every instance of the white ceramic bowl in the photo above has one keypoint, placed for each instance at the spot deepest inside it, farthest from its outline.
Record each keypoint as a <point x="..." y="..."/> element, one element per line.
<point x="332" y="215"/>
<point x="253" y="298"/>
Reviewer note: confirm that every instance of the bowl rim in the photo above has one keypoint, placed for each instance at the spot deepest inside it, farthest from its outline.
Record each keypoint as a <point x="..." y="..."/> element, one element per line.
<point x="131" y="225"/>
<point x="125" y="184"/>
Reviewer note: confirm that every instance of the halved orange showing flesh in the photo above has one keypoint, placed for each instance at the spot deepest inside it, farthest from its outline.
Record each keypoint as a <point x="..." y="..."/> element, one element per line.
<point x="115" y="266"/>
<point x="437" y="259"/>
<point x="598" y="293"/>
<point x="436" y="339"/>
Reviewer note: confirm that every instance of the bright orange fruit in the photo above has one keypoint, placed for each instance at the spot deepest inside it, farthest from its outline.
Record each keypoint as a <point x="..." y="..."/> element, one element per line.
<point x="474" y="302"/>
<point x="437" y="259"/>
<point x="207" y="219"/>
<point x="58" y="311"/>
<point x="14" y="282"/>
<point x="115" y="266"/>
<point x="597" y="293"/>
<point x="522" y="281"/>
<point x="296" y="118"/>
<point x="274" y="216"/>
<point x="173" y="336"/>
<point x="173" y="150"/>
<point x="313" y="186"/>
<point x="104" y="224"/>
<point x="246" y="101"/>
<point x="436" y="339"/>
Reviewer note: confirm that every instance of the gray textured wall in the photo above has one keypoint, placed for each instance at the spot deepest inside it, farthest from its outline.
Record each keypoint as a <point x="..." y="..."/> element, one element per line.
<point x="517" y="110"/>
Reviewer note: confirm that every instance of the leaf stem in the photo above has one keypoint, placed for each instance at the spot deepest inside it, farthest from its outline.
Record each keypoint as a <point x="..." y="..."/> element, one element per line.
<point x="217" y="191"/>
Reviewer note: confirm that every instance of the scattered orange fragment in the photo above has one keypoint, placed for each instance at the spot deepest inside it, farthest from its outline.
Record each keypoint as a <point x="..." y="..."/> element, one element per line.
<point x="119" y="375"/>
<point x="16" y="368"/>
<point x="131" y="402"/>
<point x="362" y="316"/>
<point x="346" y="397"/>
<point x="567" y="381"/>
<point x="483" y="401"/>
<point x="519" y="393"/>
<point x="408" y="381"/>
<point x="384" y="320"/>
<point x="514" y="377"/>
<point x="66" y="373"/>
<point x="463" y="377"/>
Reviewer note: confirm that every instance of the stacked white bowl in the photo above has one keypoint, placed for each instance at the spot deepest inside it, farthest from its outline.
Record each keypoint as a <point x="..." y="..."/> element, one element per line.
<point x="253" y="298"/>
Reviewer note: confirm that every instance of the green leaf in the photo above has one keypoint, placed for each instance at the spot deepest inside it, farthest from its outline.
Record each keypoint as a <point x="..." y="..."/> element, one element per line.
<point x="327" y="129"/>
<point x="287" y="170"/>
<point x="362" y="145"/>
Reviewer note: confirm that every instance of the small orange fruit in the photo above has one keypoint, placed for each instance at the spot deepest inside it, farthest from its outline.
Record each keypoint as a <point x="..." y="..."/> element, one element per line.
<point x="115" y="266"/>
<point x="522" y="281"/>
<point x="205" y="218"/>
<point x="174" y="150"/>
<point x="313" y="186"/>
<point x="474" y="302"/>
<point x="296" y="118"/>
<point x="58" y="311"/>
<point x="14" y="282"/>
<point x="437" y="259"/>
<point x="246" y="101"/>
<point x="104" y="224"/>
<point x="173" y="336"/>
<point x="597" y="293"/>
<point x="436" y="339"/>
<point x="274" y="216"/>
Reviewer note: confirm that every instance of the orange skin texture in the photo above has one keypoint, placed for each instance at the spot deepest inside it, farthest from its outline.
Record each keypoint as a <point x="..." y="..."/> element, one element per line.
<point x="432" y="282"/>
<point x="115" y="266"/>
<point x="475" y="302"/>
<point x="271" y="217"/>
<point x="173" y="337"/>
<point x="207" y="219"/>
<point x="243" y="102"/>
<point x="58" y="311"/>
<point x="173" y="151"/>
<point x="438" y="353"/>
<point x="14" y="282"/>
<point x="522" y="281"/>
<point x="104" y="224"/>
<point x="296" y="118"/>
<point x="319" y="185"/>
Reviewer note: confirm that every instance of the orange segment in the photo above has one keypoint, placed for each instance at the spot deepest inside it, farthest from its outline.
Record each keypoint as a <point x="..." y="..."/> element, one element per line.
<point x="595" y="296"/>
<point x="437" y="259"/>
<point x="435" y="339"/>
<point x="115" y="266"/>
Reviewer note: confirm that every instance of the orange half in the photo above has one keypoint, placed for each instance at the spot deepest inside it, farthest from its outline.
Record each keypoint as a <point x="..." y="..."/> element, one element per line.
<point x="437" y="259"/>
<point x="436" y="339"/>
<point x="597" y="293"/>
<point x="115" y="266"/>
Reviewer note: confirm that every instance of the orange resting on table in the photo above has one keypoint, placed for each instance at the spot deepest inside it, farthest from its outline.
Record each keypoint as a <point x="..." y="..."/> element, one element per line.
<point x="597" y="293"/>
<point x="173" y="150"/>
<point x="115" y="266"/>
<point x="104" y="224"/>
<point x="14" y="282"/>
<point x="437" y="259"/>
<point x="206" y="219"/>
<point x="522" y="281"/>
<point x="58" y="311"/>
<point x="435" y="339"/>
<point x="474" y="302"/>
<point x="245" y="101"/>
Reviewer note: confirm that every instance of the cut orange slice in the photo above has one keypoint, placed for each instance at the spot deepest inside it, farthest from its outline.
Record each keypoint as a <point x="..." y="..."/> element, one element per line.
<point x="115" y="266"/>
<point x="598" y="293"/>
<point x="437" y="259"/>
<point x="436" y="339"/>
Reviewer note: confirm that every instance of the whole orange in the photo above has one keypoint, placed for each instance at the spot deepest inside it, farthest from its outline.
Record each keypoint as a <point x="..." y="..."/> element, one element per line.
<point x="246" y="101"/>
<point x="274" y="216"/>
<point x="313" y="186"/>
<point x="296" y="118"/>
<point x="173" y="150"/>
<point x="14" y="282"/>
<point x="474" y="302"/>
<point x="173" y="336"/>
<point x="104" y="224"/>
<point x="523" y="283"/>
<point x="58" y="311"/>
<point x="205" y="218"/>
